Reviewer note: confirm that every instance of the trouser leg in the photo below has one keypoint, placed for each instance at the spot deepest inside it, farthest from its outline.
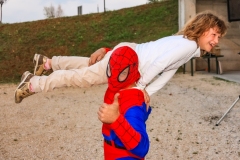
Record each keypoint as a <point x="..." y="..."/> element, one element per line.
<point x="69" y="62"/>
<point x="83" y="77"/>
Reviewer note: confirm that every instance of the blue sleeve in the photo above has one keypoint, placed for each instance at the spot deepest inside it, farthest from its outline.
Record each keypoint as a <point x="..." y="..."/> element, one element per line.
<point x="136" y="116"/>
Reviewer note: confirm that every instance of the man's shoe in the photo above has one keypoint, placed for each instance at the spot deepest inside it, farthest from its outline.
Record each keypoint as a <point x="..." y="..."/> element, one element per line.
<point x="23" y="90"/>
<point x="24" y="75"/>
<point x="39" y="61"/>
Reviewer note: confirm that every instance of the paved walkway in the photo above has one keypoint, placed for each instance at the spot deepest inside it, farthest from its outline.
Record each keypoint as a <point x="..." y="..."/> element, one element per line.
<point x="230" y="76"/>
<point x="233" y="76"/>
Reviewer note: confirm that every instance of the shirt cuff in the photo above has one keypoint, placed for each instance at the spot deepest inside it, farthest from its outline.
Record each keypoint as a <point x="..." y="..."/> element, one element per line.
<point x="107" y="49"/>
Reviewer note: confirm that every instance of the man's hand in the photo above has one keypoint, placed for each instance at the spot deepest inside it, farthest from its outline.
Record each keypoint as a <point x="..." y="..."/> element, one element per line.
<point x="108" y="113"/>
<point x="97" y="56"/>
<point x="146" y="98"/>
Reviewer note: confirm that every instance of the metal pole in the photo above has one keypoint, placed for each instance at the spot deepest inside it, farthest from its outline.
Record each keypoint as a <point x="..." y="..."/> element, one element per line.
<point x="104" y="5"/>
<point x="227" y="111"/>
<point x="1" y="2"/>
<point x="1" y="10"/>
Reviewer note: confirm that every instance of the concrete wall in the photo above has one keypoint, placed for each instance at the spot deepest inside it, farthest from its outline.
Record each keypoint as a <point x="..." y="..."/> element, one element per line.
<point x="186" y="10"/>
<point x="229" y="45"/>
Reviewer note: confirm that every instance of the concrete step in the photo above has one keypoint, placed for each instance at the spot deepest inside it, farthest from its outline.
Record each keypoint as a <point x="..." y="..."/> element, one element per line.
<point x="233" y="31"/>
<point x="226" y="43"/>
<point x="234" y="25"/>
<point x="230" y="61"/>
<point x="230" y="54"/>
<point x="230" y="65"/>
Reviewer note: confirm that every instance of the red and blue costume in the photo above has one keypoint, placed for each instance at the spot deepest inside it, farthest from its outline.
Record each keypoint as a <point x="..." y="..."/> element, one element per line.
<point x="126" y="138"/>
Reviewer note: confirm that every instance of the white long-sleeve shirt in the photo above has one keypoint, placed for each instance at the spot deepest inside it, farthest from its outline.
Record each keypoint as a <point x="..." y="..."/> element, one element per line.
<point x="163" y="56"/>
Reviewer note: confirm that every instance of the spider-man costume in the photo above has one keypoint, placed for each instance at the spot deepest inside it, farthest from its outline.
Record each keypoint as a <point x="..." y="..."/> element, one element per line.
<point x="126" y="138"/>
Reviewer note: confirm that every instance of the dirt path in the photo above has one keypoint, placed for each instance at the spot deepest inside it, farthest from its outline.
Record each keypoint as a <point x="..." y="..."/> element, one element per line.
<point x="63" y="124"/>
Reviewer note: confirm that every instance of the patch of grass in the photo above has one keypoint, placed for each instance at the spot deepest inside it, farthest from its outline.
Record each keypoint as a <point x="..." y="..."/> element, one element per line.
<point x="221" y="79"/>
<point x="82" y="35"/>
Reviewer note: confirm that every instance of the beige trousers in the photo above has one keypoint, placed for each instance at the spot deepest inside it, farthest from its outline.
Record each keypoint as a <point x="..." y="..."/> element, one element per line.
<point x="74" y="71"/>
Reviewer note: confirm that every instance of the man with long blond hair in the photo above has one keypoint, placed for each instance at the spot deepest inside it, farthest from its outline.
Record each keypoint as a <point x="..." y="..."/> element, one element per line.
<point x="158" y="59"/>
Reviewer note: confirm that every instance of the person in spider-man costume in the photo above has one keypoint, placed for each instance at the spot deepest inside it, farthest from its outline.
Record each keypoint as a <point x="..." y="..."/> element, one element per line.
<point x="126" y="138"/>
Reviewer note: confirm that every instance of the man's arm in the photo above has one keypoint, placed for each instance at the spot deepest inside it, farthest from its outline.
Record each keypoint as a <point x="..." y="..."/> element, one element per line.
<point x="173" y="56"/>
<point x="97" y="55"/>
<point x="160" y="81"/>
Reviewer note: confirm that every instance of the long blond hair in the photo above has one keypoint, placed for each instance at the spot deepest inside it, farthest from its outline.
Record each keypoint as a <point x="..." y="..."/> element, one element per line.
<point x="202" y="22"/>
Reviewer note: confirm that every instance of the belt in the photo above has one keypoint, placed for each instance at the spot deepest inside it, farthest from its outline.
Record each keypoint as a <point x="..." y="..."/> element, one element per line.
<point x="114" y="144"/>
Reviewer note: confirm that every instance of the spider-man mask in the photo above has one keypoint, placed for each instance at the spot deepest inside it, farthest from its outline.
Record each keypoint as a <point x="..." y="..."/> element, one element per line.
<point x="122" y="71"/>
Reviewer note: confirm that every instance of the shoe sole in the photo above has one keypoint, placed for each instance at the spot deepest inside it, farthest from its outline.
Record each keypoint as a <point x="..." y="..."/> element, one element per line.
<point x="24" y="75"/>
<point x="23" y="81"/>
<point x="35" y="60"/>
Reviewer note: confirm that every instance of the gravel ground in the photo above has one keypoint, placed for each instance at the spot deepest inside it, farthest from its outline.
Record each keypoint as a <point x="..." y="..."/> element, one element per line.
<point x="63" y="124"/>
